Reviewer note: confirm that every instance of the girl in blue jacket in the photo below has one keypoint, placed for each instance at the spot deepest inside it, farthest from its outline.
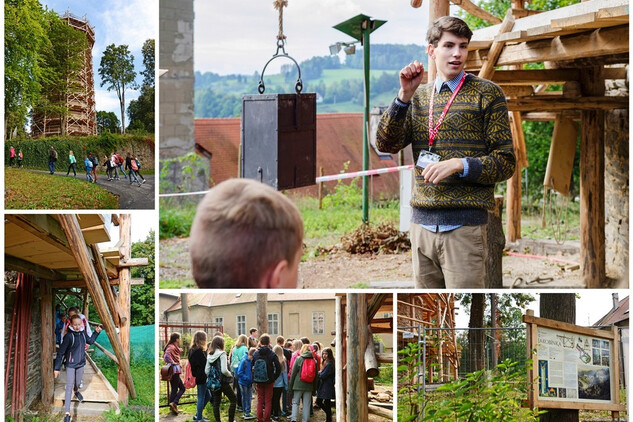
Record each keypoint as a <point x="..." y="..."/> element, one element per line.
<point x="245" y="379"/>
<point x="73" y="347"/>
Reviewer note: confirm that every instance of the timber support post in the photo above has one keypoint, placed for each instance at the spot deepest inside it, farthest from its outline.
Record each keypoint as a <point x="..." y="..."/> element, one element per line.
<point x="48" y="345"/>
<point x="125" y="234"/>
<point x="357" y="403"/>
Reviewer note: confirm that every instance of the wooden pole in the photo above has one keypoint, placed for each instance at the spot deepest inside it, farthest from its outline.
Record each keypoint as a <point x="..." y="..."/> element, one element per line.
<point x="592" y="244"/>
<point x="86" y="309"/>
<point x="80" y="252"/>
<point x="262" y="313"/>
<point x="494" y="241"/>
<point x="113" y="304"/>
<point x="488" y="67"/>
<point x="437" y="9"/>
<point x="48" y="345"/>
<point x="125" y="293"/>
<point x="320" y="189"/>
<point x="357" y="335"/>
<point x="371" y="360"/>
<point x="339" y="362"/>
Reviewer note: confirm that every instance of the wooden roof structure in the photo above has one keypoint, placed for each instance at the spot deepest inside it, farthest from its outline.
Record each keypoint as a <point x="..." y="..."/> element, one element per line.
<point x="356" y="360"/>
<point x="61" y="251"/>
<point x="581" y="46"/>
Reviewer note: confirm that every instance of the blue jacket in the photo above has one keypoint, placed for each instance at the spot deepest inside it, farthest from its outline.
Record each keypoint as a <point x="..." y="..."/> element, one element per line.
<point x="282" y="380"/>
<point x="245" y="372"/>
<point x="326" y="382"/>
<point x="74" y="346"/>
<point x="88" y="163"/>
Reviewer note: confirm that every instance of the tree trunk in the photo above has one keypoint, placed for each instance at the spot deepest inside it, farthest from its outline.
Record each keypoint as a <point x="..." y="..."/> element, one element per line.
<point x="495" y="333"/>
<point x="476" y="337"/>
<point x="262" y="317"/>
<point x="559" y="307"/>
<point x="184" y="303"/>
<point x="123" y="110"/>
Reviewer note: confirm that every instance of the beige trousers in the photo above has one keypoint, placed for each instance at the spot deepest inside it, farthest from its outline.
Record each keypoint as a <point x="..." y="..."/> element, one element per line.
<point x="448" y="260"/>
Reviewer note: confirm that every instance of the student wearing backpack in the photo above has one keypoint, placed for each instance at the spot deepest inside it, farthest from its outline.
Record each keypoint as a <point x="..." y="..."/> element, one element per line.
<point x="73" y="350"/>
<point x="131" y="166"/>
<point x="301" y="385"/>
<point x="326" y="392"/>
<point x="198" y="361"/>
<point x="138" y="168"/>
<point x="266" y="369"/>
<point x="84" y="321"/>
<point x="11" y="156"/>
<point x="281" y="383"/>
<point x="88" y="164"/>
<point x="237" y="354"/>
<point x="20" y="158"/>
<point x="52" y="159"/>
<point x="245" y="379"/>
<point x="119" y="164"/>
<point x="217" y="359"/>
<point x="72" y="160"/>
<point x="95" y="164"/>
<point x="171" y="354"/>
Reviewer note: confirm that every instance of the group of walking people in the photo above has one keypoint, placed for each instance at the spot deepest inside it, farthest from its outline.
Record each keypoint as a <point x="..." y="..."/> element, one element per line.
<point x="113" y="164"/>
<point x="13" y="156"/>
<point x="283" y="376"/>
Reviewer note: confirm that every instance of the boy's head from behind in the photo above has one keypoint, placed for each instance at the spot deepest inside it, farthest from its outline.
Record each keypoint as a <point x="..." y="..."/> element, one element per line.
<point x="246" y="234"/>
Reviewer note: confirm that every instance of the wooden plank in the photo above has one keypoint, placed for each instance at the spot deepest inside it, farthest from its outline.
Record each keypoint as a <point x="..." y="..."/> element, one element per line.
<point x="548" y="404"/>
<point x="560" y="163"/>
<point x="611" y="16"/>
<point x="592" y="192"/>
<point x="357" y="336"/>
<point x="42" y="226"/>
<point x="564" y="104"/>
<point x="547" y="116"/>
<point x="48" y="344"/>
<point x="477" y="11"/>
<point x="78" y="246"/>
<point x="125" y="293"/>
<point x="564" y="326"/>
<point x="600" y="42"/>
<point x="615" y="363"/>
<point x="16" y="264"/>
<point x="535" y="77"/>
<point x="133" y="262"/>
<point x="96" y="234"/>
<point x="488" y="67"/>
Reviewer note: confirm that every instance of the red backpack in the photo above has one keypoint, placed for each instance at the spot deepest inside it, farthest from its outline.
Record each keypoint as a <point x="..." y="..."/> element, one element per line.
<point x="119" y="159"/>
<point x="308" y="370"/>
<point x="190" y="380"/>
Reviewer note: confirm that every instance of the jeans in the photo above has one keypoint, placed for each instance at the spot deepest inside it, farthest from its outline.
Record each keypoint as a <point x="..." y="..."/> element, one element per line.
<point x="204" y="397"/>
<point x="247" y="397"/>
<point x="73" y="380"/>
<point x="217" y="399"/>
<point x="307" y="401"/>
<point x="277" y="392"/>
<point x="89" y="175"/>
<point x="71" y="166"/>
<point x="264" y="402"/>
<point x="51" y="166"/>
<point x="238" y="392"/>
<point x="177" y="389"/>
<point x="120" y="166"/>
<point x="326" y="405"/>
<point x="135" y="178"/>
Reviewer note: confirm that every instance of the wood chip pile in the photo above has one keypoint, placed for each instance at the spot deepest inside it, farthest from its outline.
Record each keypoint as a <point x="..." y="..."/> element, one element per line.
<point x="384" y="238"/>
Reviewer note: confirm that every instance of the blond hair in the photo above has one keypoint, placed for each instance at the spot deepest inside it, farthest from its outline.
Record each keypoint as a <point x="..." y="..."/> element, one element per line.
<point x="279" y="351"/>
<point x="241" y="230"/>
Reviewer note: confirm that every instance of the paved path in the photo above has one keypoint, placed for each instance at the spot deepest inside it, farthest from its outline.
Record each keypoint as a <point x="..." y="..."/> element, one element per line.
<point x="131" y="197"/>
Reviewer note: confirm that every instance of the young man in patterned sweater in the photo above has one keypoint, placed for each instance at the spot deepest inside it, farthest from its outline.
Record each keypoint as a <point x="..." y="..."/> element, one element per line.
<point x="462" y="120"/>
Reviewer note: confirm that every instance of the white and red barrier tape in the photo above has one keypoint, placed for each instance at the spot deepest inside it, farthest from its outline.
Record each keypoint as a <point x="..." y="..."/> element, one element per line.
<point x="318" y="179"/>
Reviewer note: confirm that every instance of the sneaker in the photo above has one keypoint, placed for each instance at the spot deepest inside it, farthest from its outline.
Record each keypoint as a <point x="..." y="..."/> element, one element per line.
<point x="174" y="408"/>
<point x="143" y="181"/>
<point x="248" y="416"/>
<point x="81" y="385"/>
<point x="68" y="418"/>
<point x="203" y="419"/>
<point x="79" y="396"/>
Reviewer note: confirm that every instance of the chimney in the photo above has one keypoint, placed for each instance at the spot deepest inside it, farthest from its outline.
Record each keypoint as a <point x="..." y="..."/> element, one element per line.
<point x="615" y="300"/>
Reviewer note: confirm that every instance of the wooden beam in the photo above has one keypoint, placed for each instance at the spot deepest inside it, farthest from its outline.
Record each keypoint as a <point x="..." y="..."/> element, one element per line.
<point x="488" y="67"/>
<point x="12" y="263"/>
<point x="535" y="77"/>
<point x="592" y="193"/>
<point x="78" y="246"/>
<point x="133" y="262"/>
<point x="124" y="298"/>
<point x="521" y="13"/>
<point x="339" y="387"/>
<point x="48" y="344"/>
<point x="42" y="226"/>
<point x="357" y="338"/>
<point x="106" y="352"/>
<point x="601" y="42"/>
<point x="111" y="270"/>
<point x="379" y="411"/>
<point x="547" y="116"/>
<point x="565" y="326"/>
<point x="113" y="305"/>
<point x="385" y="357"/>
<point x="477" y="11"/>
<point x="611" y="16"/>
<point x="375" y="304"/>
<point x="437" y="9"/>
<point x="563" y="104"/>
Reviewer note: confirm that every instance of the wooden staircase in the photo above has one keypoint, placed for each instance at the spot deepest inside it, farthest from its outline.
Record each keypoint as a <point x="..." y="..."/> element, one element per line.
<point x="99" y="396"/>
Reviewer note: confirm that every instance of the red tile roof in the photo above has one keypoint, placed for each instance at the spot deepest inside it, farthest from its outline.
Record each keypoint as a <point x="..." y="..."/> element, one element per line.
<point x="339" y="139"/>
<point x="616" y="315"/>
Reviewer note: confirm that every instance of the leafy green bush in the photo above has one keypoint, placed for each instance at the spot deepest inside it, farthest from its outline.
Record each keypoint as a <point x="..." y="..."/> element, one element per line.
<point x="129" y="415"/>
<point x="175" y="218"/>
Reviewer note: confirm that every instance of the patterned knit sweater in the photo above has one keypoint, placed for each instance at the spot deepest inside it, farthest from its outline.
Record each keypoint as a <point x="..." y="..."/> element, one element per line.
<point x="476" y="127"/>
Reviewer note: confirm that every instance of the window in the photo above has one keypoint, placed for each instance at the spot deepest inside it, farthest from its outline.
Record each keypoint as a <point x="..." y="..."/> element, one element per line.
<point x="241" y="324"/>
<point x="273" y="324"/>
<point x="218" y="321"/>
<point x="387" y="315"/>
<point x="318" y="322"/>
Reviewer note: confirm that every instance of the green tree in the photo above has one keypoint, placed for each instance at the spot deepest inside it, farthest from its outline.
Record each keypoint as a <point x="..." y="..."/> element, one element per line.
<point x="141" y="110"/>
<point x="142" y="300"/>
<point x="117" y="73"/>
<point x="107" y="122"/>
<point x="24" y="39"/>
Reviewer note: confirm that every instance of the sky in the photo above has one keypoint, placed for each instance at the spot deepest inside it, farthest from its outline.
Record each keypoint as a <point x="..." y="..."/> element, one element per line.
<point x="239" y="37"/>
<point x="590" y="307"/>
<point x="142" y="223"/>
<point x="113" y="25"/>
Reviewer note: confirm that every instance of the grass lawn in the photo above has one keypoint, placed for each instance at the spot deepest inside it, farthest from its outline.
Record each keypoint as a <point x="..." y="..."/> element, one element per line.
<point x="142" y="374"/>
<point x="27" y="190"/>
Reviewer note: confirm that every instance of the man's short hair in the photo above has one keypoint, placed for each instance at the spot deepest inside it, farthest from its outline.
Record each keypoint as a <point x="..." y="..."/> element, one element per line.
<point x="252" y="330"/>
<point x="264" y="340"/>
<point x="241" y="230"/>
<point x="280" y="340"/>
<point x="447" y="24"/>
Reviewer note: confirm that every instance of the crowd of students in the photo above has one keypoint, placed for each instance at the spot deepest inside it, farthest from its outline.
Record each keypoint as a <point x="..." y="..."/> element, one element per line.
<point x="283" y="376"/>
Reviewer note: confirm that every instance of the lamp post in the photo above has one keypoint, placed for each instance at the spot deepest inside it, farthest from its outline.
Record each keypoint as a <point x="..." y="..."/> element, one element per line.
<point x="359" y="27"/>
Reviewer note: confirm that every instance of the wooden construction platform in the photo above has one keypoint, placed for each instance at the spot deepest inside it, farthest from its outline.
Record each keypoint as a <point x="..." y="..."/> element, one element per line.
<point x="99" y="396"/>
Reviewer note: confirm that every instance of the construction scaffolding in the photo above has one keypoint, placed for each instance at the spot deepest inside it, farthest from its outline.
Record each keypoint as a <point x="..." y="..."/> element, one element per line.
<point x="81" y="118"/>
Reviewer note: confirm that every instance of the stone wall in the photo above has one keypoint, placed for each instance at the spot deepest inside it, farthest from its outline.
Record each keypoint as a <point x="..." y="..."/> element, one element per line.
<point x="176" y="86"/>
<point x="617" y="186"/>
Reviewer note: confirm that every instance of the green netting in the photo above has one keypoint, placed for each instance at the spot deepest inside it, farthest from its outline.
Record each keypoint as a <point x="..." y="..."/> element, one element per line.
<point x="141" y="343"/>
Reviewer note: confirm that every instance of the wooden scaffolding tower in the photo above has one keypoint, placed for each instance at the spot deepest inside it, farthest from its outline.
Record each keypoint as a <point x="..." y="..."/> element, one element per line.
<point x="582" y="46"/>
<point x="82" y="115"/>
<point x="61" y="252"/>
<point x="422" y="311"/>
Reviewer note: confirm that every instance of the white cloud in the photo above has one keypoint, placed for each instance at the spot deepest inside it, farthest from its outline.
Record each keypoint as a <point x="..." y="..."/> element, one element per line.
<point x="129" y="22"/>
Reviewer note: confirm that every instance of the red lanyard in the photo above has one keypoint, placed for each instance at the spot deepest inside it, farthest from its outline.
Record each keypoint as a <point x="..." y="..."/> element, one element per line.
<point x="433" y="129"/>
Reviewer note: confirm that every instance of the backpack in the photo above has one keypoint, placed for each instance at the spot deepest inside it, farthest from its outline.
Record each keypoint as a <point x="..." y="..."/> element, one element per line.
<point x="71" y="349"/>
<point x="88" y="163"/>
<point x="213" y="377"/>
<point x="138" y="164"/>
<point x="308" y="370"/>
<point x="261" y="371"/>
<point x="119" y="159"/>
<point x="190" y="380"/>
<point x="95" y="162"/>
<point x="133" y="165"/>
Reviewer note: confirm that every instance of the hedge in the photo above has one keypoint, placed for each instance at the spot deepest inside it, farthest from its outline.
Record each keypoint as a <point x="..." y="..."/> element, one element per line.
<point x="36" y="151"/>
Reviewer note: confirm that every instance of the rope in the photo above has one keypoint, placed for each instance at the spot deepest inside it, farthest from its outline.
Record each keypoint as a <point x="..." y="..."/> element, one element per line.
<point x="279" y="5"/>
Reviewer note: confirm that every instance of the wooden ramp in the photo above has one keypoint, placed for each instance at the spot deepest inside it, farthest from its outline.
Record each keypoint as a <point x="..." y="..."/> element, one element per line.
<point x="99" y="396"/>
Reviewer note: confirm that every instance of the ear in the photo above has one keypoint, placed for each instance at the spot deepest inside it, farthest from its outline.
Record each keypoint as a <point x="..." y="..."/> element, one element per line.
<point x="273" y="278"/>
<point x="430" y="50"/>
